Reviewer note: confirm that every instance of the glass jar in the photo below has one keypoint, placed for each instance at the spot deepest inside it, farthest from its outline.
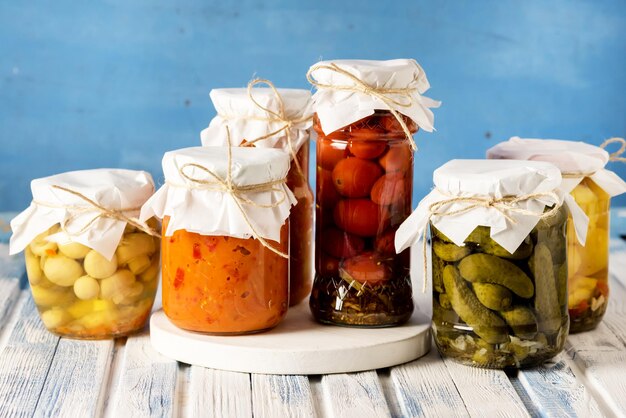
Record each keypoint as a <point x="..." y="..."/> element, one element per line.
<point x="81" y="294"/>
<point x="583" y="168"/>
<point x="364" y="189"/>
<point x="223" y="285"/>
<point x="495" y="309"/>
<point x="270" y="117"/>
<point x="300" y="230"/>
<point x="588" y="272"/>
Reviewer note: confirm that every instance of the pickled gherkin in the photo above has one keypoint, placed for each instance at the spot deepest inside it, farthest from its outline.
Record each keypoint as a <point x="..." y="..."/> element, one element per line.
<point x="506" y="309"/>
<point x="449" y="251"/>
<point x="486" y="268"/>
<point x="547" y="299"/>
<point x="493" y="296"/>
<point x="480" y="236"/>
<point x="522" y="321"/>
<point x="486" y="323"/>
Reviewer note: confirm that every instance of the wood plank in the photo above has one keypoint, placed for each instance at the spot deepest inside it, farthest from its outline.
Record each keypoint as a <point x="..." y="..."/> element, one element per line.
<point x="617" y="260"/>
<point x="486" y="392"/>
<point x="601" y="357"/>
<point x="425" y="388"/>
<point x="217" y="393"/>
<point x="355" y="395"/>
<point x="9" y="294"/>
<point x="389" y="390"/>
<point x="76" y="379"/>
<point x="555" y="391"/>
<point x="147" y="384"/>
<point x="11" y="266"/>
<point x="281" y="396"/>
<point x="616" y="309"/>
<point x="25" y="361"/>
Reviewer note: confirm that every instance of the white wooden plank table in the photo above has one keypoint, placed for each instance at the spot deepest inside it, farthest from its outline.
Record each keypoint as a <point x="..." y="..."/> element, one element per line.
<point x="43" y="375"/>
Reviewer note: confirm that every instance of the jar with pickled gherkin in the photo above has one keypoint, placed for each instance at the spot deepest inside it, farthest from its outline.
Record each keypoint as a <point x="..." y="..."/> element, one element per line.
<point x="592" y="186"/>
<point x="92" y="266"/>
<point x="225" y="238"/>
<point x="269" y="117"/>
<point x="499" y="268"/>
<point x="366" y="115"/>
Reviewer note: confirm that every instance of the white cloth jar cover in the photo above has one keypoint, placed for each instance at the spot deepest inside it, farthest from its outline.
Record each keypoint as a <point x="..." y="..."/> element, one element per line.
<point x="347" y="102"/>
<point x="114" y="189"/>
<point x="197" y="201"/>
<point x="576" y="160"/>
<point x="536" y="183"/>
<point x="247" y="121"/>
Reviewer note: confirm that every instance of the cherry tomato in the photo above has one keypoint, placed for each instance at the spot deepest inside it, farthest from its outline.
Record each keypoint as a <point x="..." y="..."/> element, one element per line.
<point x="361" y="217"/>
<point x="341" y="244"/>
<point x="384" y="244"/>
<point x="389" y="189"/>
<point x="397" y="159"/>
<point x="327" y="195"/>
<point x="365" y="268"/>
<point x="327" y="265"/>
<point x="354" y="177"/>
<point x="367" y="149"/>
<point x="329" y="152"/>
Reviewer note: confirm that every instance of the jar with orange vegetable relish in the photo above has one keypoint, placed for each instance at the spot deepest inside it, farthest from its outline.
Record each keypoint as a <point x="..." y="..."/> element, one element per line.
<point x="591" y="186"/>
<point x="92" y="267"/>
<point x="225" y="238"/>
<point x="267" y="117"/>
<point x="364" y="188"/>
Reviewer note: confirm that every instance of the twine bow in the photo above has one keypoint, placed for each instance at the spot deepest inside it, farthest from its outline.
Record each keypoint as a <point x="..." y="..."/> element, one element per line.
<point x="385" y="95"/>
<point x="504" y="205"/>
<point x="616" y="156"/>
<point x="103" y="212"/>
<point x="238" y="192"/>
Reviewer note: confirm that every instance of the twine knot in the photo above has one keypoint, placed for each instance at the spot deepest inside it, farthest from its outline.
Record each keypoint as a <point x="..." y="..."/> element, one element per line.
<point x="237" y="192"/>
<point x="506" y="205"/>
<point x="616" y="156"/>
<point x="103" y="212"/>
<point x="385" y="95"/>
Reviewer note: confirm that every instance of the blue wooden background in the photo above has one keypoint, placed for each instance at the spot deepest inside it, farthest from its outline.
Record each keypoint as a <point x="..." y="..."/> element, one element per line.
<point x="116" y="83"/>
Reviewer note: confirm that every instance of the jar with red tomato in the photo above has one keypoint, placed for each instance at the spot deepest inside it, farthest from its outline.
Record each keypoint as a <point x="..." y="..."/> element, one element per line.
<point x="364" y="183"/>
<point x="366" y="113"/>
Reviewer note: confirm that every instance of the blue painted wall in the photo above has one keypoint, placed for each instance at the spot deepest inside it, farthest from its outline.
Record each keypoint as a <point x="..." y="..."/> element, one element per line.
<point x="116" y="83"/>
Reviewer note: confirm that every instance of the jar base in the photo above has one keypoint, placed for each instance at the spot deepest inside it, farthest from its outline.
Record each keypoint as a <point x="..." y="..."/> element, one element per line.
<point x="343" y="320"/>
<point x="576" y="328"/>
<point x="87" y="337"/>
<point x="222" y="333"/>
<point x="387" y="305"/>
<point x="470" y="350"/>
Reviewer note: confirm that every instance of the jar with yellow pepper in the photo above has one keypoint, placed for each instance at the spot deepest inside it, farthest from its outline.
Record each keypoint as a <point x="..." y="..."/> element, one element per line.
<point x="591" y="185"/>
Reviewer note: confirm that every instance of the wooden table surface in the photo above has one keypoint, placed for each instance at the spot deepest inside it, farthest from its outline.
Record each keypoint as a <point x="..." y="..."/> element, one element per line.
<point x="44" y="375"/>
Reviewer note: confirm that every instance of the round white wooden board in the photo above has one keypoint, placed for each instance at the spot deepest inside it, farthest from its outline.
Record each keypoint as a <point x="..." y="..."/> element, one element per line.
<point x="298" y="345"/>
